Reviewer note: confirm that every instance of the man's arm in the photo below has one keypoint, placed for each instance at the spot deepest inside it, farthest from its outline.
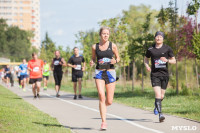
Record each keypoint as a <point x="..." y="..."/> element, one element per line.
<point x="146" y="63"/>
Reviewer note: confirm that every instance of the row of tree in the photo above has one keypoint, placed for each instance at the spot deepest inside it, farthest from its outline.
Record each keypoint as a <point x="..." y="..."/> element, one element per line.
<point x="134" y="31"/>
<point x="14" y="42"/>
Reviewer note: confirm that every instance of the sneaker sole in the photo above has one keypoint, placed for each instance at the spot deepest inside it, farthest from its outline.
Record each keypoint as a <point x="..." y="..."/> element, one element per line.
<point x="162" y="119"/>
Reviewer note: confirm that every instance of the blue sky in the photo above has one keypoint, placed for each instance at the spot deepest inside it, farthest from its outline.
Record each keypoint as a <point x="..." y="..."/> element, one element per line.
<point x="62" y="19"/>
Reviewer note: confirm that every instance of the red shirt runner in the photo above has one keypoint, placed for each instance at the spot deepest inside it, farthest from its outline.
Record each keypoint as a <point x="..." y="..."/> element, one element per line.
<point x="36" y="68"/>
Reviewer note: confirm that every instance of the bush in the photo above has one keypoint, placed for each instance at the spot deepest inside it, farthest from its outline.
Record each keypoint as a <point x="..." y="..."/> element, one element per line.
<point x="185" y="90"/>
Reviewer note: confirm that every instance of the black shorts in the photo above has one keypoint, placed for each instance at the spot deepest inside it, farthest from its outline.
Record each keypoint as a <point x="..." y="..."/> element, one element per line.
<point x="32" y="81"/>
<point x="23" y="77"/>
<point x="77" y="75"/>
<point x="57" y="77"/>
<point x="7" y="76"/>
<point x="47" y="77"/>
<point x="161" y="81"/>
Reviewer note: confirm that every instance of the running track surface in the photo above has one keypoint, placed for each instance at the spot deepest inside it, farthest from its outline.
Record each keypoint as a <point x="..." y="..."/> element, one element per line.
<point x="82" y="116"/>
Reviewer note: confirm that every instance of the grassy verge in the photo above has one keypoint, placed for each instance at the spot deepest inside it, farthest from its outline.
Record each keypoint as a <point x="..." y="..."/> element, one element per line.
<point x="184" y="106"/>
<point x="17" y="116"/>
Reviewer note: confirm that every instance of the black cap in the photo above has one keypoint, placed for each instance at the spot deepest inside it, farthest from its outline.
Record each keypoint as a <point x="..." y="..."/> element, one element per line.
<point x="160" y="33"/>
<point x="45" y="61"/>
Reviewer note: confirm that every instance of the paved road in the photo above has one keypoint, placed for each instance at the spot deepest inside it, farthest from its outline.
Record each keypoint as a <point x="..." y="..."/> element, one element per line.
<point x="82" y="116"/>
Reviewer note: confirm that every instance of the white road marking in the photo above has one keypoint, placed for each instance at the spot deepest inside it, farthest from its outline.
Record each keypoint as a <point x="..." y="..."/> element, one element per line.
<point x="115" y="116"/>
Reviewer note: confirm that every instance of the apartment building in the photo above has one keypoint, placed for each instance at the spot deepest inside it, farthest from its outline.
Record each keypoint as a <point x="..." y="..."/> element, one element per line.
<point x="23" y="13"/>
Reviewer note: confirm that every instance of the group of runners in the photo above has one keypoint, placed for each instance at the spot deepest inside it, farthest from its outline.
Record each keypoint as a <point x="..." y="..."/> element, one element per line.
<point x="104" y="55"/>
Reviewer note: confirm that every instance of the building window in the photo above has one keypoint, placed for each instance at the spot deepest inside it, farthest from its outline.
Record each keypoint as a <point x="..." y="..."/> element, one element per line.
<point x="21" y="20"/>
<point x="21" y="8"/>
<point x="21" y="14"/>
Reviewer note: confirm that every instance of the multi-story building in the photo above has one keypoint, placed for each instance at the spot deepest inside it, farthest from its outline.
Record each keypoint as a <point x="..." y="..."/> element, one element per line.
<point x="23" y="13"/>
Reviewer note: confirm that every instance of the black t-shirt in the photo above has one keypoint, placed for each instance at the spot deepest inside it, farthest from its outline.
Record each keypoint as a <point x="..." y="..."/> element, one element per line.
<point x="158" y="67"/>
<point x="57" y="66"/>
<point x="76" y="61"/>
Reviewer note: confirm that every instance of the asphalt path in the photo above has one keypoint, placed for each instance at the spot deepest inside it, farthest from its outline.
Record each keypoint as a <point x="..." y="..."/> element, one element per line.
<point x="82" y="115"/>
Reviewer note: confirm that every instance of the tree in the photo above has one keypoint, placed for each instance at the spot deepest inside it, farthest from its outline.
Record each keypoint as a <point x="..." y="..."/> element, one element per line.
<point x="14" y="42"/>
<point x="196" y="51"/>
<point x="192" y="9"/>
<point x="162" y="18"/>
<point x="48" y="48"/>
<point x="184" y="37"/>
<point x="3" y="46"/>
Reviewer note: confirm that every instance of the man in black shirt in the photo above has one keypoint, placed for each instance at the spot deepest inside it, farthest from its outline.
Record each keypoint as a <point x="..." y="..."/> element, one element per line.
<point x="77" y="70"/>
<point x="160" y="55"/>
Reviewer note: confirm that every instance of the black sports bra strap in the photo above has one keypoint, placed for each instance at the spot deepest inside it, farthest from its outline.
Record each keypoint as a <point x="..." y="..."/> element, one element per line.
<point x="110" y="45"/>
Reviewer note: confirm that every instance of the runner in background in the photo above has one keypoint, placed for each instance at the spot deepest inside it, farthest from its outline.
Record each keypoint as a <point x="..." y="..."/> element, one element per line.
<point x="17" y="72"/>
<point x="75" y="62"/>
<point x="7" y="75"/>
<point x="56" y="65"/>
<point x="12" y="76"/>
<point x="35" y="66"/>
<point x="23" y="74"/>
<point x="2" y="75"/>
<point x="46" y="73"/>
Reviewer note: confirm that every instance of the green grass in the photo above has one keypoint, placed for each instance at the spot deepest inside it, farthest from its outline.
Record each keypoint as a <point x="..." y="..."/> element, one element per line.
<point x="182" y="105"/>
<point x="17" y="116"/>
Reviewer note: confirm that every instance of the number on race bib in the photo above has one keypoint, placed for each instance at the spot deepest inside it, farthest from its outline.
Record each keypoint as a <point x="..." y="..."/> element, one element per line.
<point x="35" y="69"/>
<point x="56" y="62"/>
<point x="78" y="67"/>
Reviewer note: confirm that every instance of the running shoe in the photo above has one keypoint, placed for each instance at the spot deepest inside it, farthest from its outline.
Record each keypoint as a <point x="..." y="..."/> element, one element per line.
<point x="57" y="95"/>
<point x="103" y="126"/>
<point x="45" y="88"/>
<point x="80" y="96"/>
<point x="75" y="97"/>
<point x="38" y="95"/>
<point x="34" y="97"/>
<point x="20" y="86"/>
<point x="155" y="111"/>
<point x="161" y="117"/>
<point x="24" y="89"/>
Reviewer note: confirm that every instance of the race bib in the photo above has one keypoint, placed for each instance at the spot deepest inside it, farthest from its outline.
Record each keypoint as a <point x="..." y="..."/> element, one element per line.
<point x="56" y="62"/>
<point x="160" y="64"/>
<point x="78" y="67"/>
<point x="24" y="71"/>
<point x="104" y="61"/>
<point x="35" y="69"/>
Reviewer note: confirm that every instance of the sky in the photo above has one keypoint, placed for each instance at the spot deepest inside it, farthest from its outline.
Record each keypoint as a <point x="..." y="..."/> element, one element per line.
<point x="62" y="19"/>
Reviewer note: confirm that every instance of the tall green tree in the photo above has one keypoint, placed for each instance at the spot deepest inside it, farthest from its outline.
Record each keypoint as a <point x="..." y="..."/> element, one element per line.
<point x="14" y="42"/>
<point x="196" y="51"/>
<point x="48" y="48"/>
<point x="192" y="9"/>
